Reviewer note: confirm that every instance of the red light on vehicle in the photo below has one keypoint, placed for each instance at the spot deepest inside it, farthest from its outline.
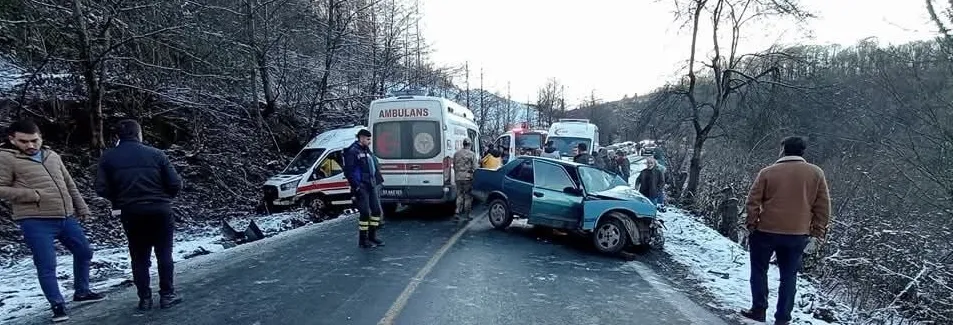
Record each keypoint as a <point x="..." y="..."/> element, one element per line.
<point x="447" y="167"/>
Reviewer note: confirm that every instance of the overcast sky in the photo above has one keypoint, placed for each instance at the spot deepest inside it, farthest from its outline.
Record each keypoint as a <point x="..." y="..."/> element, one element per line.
<point x="620" y="47"/>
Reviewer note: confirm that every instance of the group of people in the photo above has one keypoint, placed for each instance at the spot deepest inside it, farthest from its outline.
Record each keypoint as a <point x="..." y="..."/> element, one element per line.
<point x="138" y="180"/>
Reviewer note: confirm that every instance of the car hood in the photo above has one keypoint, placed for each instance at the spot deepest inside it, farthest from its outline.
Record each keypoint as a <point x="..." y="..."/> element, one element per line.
<point x="621" y="193"/>
<point x="282" y="179"/>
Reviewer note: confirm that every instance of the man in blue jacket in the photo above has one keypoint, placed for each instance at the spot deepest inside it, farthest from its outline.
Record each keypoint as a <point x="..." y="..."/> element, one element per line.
<point x="140" y="181"/>
<point x="363" y="175"/>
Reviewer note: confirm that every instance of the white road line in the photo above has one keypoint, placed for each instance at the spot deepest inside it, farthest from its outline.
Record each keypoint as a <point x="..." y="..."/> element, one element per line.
<point x="695" y="313"/>
<point x="401" y="301"/>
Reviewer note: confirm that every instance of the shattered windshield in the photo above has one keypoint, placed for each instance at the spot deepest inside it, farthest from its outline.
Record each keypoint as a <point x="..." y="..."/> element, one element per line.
<point x="303" y="162"/>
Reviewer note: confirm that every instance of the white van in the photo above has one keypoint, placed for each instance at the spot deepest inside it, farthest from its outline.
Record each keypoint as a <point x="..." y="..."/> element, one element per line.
<point x="517" y="140"/>
<point x="315" y="178"/>
<point x="567" y="133"/>
<point x="415" y="137"/>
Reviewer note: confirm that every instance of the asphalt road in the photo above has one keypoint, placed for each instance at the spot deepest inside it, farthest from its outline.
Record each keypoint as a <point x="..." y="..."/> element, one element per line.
<point x="430" y="272"/>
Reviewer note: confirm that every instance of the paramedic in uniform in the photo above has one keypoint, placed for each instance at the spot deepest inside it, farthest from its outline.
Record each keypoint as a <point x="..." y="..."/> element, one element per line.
<point x="363" y="175"/>
<point x="464" y="163"/>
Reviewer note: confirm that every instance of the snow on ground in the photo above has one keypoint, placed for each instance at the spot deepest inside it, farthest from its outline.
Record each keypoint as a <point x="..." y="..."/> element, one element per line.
<point x="721" y="266"/>
<point x="20" y="293"/>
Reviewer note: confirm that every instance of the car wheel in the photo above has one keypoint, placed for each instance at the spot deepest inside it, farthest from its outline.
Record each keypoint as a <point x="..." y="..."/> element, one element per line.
<point x="610" y="236"/>
<point x="317" y="208"/>
<point x="499" y="214"/>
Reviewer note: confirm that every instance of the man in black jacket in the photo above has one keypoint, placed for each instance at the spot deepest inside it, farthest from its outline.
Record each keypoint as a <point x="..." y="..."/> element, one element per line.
<point x="582" y="155"/>
<point x="140" y="182"/>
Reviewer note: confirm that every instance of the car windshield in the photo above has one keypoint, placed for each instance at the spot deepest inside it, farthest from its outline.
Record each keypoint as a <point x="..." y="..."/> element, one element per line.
<point x="564" y="145"/>
<point x="529" y="140"/>
<point x="596" y="180"/>
<point x="303" y="162"/>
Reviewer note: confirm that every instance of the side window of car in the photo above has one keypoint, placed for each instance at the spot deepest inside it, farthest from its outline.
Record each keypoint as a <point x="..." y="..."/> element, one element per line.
<point x="523" y="172"/>
<point x="552" y="177"/>
<point x="330" y="166"/>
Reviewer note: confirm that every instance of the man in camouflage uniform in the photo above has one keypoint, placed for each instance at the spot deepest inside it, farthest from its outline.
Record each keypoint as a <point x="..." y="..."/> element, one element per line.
<point x="464" y="163"/>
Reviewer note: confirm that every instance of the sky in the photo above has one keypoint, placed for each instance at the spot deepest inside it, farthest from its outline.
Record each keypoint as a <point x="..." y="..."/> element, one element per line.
<point x="624" y="47"/>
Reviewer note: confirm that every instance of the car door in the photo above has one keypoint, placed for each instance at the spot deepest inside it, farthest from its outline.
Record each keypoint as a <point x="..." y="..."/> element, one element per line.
<point x="553" y="205"/>
<point x="518" y="186"/>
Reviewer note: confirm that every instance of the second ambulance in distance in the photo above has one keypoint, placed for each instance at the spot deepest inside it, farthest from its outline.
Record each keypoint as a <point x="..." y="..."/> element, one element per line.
<point x="415" y="137"/>
<point x="566" y="134"/>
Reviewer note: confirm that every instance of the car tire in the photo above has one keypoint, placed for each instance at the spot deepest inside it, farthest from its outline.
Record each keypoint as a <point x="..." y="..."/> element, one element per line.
<point x="317" y="207"/>
<point x="610" y="236"/>
<point x="499" y="214"/>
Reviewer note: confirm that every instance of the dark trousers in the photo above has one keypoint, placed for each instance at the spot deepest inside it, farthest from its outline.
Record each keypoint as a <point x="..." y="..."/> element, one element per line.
<point x="789" y="249"/>
<point x="368" y="204"/>
<point x="39" y="234"/>
<point x="148" y="230"/>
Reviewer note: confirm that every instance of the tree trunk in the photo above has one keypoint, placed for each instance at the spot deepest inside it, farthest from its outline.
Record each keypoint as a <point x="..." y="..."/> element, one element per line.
<point x="695" y="167"/>
<point x="94" y="103"/>
<point x="271" y="102"/>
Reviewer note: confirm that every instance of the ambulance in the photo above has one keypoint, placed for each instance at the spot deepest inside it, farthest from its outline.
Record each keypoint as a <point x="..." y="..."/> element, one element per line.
<point x="414" y="138"/>
<point x="314" y="179"/>
<point x="518" y="140"/>
<point x="567" y="133"/>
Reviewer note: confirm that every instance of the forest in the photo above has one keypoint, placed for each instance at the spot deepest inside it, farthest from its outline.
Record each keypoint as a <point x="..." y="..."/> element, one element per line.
<point x="232" y="89"/>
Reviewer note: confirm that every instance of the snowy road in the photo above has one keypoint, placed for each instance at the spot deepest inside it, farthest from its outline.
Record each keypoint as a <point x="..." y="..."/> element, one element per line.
<point x="429" y="273"/>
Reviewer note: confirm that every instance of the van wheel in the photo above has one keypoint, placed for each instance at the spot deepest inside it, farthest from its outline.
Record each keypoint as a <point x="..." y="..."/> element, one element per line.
<point x="500" y="214"/>
<point x="610" y="236"/>
<point x="317" y="208"/>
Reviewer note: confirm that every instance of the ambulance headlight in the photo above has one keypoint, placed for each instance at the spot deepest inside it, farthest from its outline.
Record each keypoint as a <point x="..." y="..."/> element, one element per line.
<point x="288" y="186"/>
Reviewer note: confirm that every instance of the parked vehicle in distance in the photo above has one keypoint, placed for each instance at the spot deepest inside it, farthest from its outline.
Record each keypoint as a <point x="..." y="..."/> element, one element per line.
<point x="517" y="141"/>
<point x="566" y="134"/>
<point x="573" y="197"/>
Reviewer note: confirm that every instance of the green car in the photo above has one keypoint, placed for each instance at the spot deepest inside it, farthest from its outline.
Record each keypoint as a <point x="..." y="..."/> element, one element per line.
<point x="573" y="197"/>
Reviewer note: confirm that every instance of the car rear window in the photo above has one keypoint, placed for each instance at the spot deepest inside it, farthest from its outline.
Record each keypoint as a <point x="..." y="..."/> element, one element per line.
<point x="407" y="139"/>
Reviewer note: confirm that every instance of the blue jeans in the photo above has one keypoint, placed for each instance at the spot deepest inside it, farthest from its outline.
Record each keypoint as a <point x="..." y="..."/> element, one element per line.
<point x="658" y="200"/>
<point x="39" y="234"/>
<point x="789" y="250"/>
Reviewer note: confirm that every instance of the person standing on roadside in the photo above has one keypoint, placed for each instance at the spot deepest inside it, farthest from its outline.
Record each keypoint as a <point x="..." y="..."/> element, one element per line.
<point x="651" y="182"/>
<point x="788" y="207"/>
<point x="363" y="175"/>
<point x="464" y="164"/>
<point x="623" y="165"/>
<point x="141" y="183"/>
<point x="46" y="204"/>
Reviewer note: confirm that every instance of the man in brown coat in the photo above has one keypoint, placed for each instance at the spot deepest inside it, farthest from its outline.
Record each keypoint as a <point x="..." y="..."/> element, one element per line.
<point x="787" y="205"/>
<point x="45" y="203"/>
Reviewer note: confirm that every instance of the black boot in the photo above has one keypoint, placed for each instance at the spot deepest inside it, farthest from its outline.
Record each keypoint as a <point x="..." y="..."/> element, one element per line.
<point x="362" y="240"/>
<point x="145" y="304"/>
<point x="372" y="236"/>
<point x="169" y="300"/>
<point x="756" y="314"/>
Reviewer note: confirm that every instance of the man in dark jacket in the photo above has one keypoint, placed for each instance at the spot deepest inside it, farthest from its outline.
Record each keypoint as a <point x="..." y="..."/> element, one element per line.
<point x="623" y="165"/>
<point x="651" y="182"/>
<point x="582" y="155"/>
<point x="363" y="175"/>
<point x="141" y="183"/>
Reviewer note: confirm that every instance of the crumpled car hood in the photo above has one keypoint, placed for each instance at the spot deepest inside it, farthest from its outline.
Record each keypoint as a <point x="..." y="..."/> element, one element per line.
<point x="622" y="193"/>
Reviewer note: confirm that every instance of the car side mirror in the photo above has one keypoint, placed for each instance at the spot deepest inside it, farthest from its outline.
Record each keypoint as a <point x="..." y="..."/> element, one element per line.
<point x="572" y="190"/>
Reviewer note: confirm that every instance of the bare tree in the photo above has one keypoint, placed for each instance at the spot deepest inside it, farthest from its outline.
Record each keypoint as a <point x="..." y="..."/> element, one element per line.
<point x="726" y="67"/>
